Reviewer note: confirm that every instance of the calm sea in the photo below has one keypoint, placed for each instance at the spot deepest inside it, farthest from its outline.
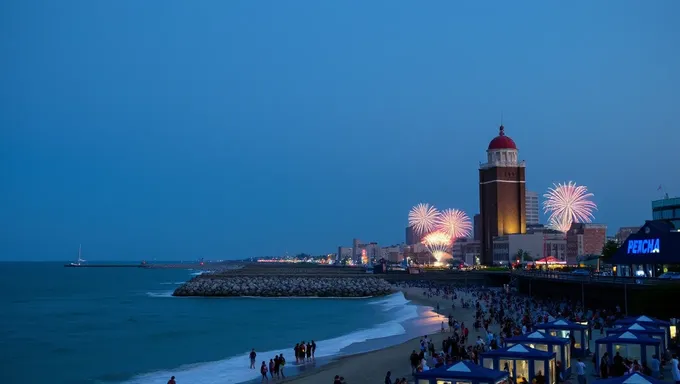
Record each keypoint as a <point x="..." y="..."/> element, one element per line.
<point x="121" y="325"/>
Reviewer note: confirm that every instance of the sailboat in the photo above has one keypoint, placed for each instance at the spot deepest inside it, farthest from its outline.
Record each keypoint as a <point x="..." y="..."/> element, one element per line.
<point x="80" y="260"/>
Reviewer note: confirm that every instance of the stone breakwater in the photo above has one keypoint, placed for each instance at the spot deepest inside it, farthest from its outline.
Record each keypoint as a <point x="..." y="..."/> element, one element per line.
<point x="276" y="286"/>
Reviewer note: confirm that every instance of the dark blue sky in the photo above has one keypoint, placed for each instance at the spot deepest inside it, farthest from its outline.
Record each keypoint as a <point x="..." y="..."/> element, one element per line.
<point x="175" y="129"/>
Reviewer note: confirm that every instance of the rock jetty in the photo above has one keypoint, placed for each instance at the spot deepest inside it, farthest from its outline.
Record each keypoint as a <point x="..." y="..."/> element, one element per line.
<point x="280" y="286"/>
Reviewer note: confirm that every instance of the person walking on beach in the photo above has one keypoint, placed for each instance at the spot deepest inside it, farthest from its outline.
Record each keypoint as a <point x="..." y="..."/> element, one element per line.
<point x="309" y="351"/>
<point x="271" y="368"/>
<point x="253" y="355"/>
<point x="297" y="353"/>
<point x="313" y="349"/>
<point x="263" y="371"/>
<point x="414" y="359"/>
<point x="172" y="380"/>
<point x="282" y="363"/>
<point x="388" y="378"/>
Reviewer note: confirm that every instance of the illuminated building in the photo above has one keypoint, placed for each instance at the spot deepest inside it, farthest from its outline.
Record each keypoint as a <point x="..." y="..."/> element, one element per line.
<point x="537" y="243"/>
<point x="650" y="251"/>
<point x="502" y="195"/>
<point x="585" y="239"/>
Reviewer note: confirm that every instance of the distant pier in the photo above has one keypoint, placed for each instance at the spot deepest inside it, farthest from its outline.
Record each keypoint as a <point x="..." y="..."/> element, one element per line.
<point x="204" y="266"/>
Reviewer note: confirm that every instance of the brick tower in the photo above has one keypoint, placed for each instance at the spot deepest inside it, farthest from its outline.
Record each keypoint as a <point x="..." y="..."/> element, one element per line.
<point x="501" y="194"/>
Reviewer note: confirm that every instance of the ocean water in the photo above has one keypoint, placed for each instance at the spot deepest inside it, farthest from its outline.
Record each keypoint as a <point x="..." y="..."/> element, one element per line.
<point x="121" y="325"/>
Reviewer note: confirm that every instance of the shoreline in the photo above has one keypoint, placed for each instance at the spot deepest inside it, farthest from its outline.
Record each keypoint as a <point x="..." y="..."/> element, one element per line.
<point x="371" y="366"/>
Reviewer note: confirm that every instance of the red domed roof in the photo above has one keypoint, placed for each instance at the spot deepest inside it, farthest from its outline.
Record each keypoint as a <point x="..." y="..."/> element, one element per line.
<point x="501" y="141"/>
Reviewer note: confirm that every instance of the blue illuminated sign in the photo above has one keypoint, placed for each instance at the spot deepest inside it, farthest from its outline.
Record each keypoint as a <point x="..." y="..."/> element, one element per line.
<point x="643" y="246"/>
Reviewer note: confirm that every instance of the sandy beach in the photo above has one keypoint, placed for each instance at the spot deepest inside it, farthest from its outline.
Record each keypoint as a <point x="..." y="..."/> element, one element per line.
<point x="370" y="368"/>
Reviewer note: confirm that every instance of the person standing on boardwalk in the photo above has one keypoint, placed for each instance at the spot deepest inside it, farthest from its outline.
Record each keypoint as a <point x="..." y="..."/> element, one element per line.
<point x="675" y="369"/>
<point x="253" y="355"/>
<point x="581" y="372"/>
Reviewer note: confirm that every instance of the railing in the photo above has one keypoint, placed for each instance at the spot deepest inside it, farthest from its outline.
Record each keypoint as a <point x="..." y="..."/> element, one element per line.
<point x="521" y="164"/>
<point x="566" y="276"/>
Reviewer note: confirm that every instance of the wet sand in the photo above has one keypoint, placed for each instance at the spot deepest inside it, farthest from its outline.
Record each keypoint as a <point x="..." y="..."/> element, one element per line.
<point x="371" y="367"/>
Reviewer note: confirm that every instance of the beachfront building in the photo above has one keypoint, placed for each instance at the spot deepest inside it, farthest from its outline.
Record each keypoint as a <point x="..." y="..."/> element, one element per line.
<point x="650" y="251"/>
<point x="585" y="239"/>
<point x="629" y="346"/>
<point x="537" y="243"/>
<point x="547" y="343"/>
<point x="521" y="361"/>
<point x="566" y="329"/>
<point x="466" y="250"/>
<point x="502" y="193"/>
<point x="463" y="372"/>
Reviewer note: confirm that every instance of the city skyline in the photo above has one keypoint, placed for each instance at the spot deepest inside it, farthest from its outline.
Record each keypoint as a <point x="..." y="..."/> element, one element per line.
<point x="210" y="132"/>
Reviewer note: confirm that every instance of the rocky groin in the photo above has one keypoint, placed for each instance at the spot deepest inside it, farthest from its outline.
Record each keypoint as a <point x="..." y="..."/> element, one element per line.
<point x="283" y="286"/>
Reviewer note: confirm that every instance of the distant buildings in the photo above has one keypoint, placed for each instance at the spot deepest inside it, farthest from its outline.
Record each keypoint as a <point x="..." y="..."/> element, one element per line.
<point x="532" y="208"/>
<point x="667" y="209"/>
<point x="477" y="222"/>
<point x="585" y="239"/>
<point x="537" y="243"/>
<point x="467" y="250"/>
<point x="412" y="237"/>
<point x="392" y="253"/>
<point x="502" y="196"/>
<point x="366" y="253"/>
<point x="623" y="233"/>
<point x="344" y="253"/>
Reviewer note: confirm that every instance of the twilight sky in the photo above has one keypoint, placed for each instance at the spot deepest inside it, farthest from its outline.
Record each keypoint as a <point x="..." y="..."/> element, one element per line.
<point x="226" y="129"/>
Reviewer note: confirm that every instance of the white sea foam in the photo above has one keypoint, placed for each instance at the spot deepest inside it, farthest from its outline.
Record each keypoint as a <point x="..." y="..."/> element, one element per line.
<point x="171" y="283"/>
<point x="160" y="294"/>
<point x="234" y="369"/>
<point x="198" y="273"/>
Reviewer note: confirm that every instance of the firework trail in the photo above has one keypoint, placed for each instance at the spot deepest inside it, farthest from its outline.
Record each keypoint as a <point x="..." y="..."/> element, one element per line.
<point x="455" y="223"/>
<point x="438" y="243"/>
<point x="568" y="203"/>
<point x="423" y="218"/>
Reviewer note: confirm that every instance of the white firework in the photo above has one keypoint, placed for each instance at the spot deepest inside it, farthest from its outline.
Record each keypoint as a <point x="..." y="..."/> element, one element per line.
<point x="423" y="218"/>
<point x="455" y="223"/>
<point x="568" y="203"/>
<point x="439" y="244"/>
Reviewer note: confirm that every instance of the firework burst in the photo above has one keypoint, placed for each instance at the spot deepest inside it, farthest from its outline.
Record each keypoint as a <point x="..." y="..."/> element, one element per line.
<point x="455" y="223"/>
<point x="439" y="244"/>
<point x="423" y="218"/>
<point x="568" y="203"/>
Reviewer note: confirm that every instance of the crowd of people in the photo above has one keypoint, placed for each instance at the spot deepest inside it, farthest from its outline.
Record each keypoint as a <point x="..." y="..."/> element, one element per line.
<point x="303" y="352"/>
<point x="512" y="315"/>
